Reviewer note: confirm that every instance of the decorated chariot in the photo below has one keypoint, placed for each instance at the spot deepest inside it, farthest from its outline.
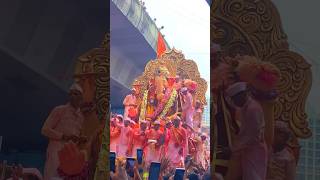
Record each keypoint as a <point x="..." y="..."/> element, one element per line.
<point x="158" y="87"/>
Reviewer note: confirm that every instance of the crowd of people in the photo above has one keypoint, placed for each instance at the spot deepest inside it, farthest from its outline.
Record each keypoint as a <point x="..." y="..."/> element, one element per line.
<point x="175" y="141"/>
<point x="17" y="172"/>
<point x="165" y="122"/>
<point x="192" y="171"/>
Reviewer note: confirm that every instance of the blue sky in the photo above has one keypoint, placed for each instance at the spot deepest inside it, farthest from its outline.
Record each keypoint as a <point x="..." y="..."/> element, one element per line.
<point x="186" y="28"/>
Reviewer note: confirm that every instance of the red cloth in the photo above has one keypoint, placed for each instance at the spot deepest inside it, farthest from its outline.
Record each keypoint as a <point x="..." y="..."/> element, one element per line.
<point x="132" y="112"/>
<point x="176" y="146"/>
<point x="161" y="46"/>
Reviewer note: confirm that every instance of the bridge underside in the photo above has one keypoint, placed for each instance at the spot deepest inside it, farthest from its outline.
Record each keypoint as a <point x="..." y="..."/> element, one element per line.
<point x="130" y="52"/>
<point x="39" y="43"/>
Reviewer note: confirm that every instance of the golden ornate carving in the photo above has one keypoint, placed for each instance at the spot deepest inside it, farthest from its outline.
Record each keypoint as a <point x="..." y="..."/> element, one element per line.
<point x="95" y="63"/>
<point x="250" y="27"/>
<point x="176" y="63"/>
<point x="254" y="28"/>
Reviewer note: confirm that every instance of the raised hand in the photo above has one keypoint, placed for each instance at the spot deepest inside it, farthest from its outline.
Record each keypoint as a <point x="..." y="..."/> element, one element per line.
<point x="121" y="173"/>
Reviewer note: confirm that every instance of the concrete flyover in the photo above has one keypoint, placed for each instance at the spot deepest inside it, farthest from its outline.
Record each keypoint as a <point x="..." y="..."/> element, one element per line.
<point x="39" y="43"/>
<point x="134" y="38"/>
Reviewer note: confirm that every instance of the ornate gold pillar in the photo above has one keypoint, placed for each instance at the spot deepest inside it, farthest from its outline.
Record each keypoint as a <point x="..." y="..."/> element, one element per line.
<point x="92" y="73"/>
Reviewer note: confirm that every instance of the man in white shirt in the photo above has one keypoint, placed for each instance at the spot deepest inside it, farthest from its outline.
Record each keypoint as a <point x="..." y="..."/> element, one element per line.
<point x="63" y="124"/>
<point x="130" y="101"/>
<point x="249" y="151"/>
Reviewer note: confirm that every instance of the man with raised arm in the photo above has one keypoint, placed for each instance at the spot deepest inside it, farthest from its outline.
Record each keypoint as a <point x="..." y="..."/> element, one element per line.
<point x="176" y="144"/>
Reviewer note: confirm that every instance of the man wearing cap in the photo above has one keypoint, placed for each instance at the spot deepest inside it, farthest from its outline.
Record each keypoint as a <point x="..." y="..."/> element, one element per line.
<point x="176" y="144"/>
<point x="63" y="124"/>
<point x="129" y="102"/>
<point x="119" y="119"/>
<point x="139" y="137"/>
<point x="187" y="106"/>
<point x="249" y="152"/>
<point x="125" y="140"/>
<point x="114" y="134"/>
<point x="152" y="150"/>
<point x="282" y="164"/>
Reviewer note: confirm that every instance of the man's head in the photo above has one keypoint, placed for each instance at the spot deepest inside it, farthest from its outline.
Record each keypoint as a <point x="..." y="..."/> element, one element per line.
<point x="238" y="93"/>
<point x="184" y="90"/>
<point x="120" y="118"/>
<point x="126" y="122"/>
<point x="113" y="122"/>
<point x="203" y="137"/>
<point x="143" y="125"/>
<point x="282" y="134"/>
<point x="132" y="123"/>
<point x="136" y="120"/>
<point x="156" y="125"/>
<point x="75" y="95"/>
<point x="198" y="104"/>
<point x="133" y="91"/>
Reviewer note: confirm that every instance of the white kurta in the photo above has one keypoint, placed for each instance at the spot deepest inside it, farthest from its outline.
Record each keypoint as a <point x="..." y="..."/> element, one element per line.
<point x="249" y="151"/>
<point x="62" y="120"/>
<point x="114" y="141"/>
<point x="128" y="102"/>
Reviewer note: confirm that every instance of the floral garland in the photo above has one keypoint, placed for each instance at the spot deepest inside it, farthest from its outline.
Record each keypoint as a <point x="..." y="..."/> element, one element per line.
<point x="161" y="105"/>
<point x="169" y="104"/>
<point x="144" y="105"/>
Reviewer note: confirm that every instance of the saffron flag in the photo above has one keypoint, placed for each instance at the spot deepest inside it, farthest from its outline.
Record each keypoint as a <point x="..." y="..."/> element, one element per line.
<point x="161" y="46"/>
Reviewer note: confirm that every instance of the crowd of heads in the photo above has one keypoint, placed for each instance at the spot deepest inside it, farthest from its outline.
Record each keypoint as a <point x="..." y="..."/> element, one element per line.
<point x="193" y="170"/>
